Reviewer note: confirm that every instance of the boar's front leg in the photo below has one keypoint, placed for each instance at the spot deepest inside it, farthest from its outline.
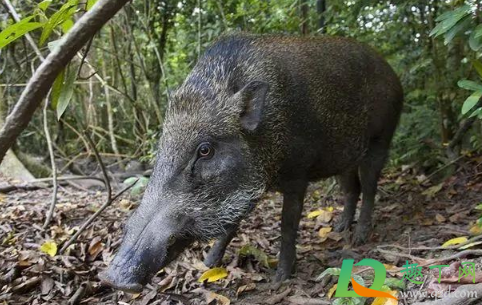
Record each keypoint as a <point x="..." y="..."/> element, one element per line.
<point x="293" y="196"/>
<point x="215" y="255"/>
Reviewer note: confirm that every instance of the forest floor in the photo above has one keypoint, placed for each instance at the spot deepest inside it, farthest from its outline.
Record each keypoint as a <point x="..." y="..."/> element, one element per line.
<point x="411" y="212"/>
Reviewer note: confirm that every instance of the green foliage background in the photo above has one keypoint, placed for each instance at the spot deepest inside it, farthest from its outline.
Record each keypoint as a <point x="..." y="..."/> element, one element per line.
<point x="149" y="48"/>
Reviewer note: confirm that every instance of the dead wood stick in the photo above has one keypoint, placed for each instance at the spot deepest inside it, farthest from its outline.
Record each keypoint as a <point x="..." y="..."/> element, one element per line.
<point x="455" y="256"/>
<point x="307" y="301"/>
<point x="275" y="299"/>
<point x="40" y="83"/>
<point x="473" y="239"/>
<point x="433" y="261"/>
<point x="78" y="295"/>
<point x="27" y="285"/>
<point x="69" y="178"/>
<point x="32" y="186"/>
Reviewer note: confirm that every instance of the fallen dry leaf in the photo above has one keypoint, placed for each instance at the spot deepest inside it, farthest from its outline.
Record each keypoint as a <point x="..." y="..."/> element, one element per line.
<point x="220" y="299"/>
<point x="323" y="233"/>
<point x="213" y="275"/>
<point x="455" y="241"/>
<point x="49" y="247"/>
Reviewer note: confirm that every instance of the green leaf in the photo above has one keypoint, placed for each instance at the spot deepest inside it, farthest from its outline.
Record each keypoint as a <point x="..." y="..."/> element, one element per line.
<point x="259" y="255"/>
<point x="469" y="85"/>
<point x="478" y="31"/>
<point x="329" y="271"/>
<point x="57" y="88"/>
<point x="471" y="101"/>
<point x="66" y="92"/>
<point x="449" y="20"/>
<point x="67" y="25"/>
<point x="140" y="185"/>
<point x="44" y="4"/>
<point x="349" y="301"/>
<point x="359" y="279"/>
<point x="53" y="44"/>
<point x="458" y="28"/>
<point x="475" y="43"/>
<point x="62" y="15"/>
<point x="395" y="283"/>
<point x="17" y="30"/>
<point x="477" y="113"/>
<point x="90" y="4"/>
<point x="478" y="67"/>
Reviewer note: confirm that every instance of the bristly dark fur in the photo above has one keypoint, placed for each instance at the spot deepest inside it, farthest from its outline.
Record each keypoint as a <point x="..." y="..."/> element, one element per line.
<point x="279" y="111"/>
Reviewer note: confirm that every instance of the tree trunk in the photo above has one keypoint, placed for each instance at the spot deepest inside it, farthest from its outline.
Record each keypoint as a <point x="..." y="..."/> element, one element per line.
<point x="321" y="9"/>
<point x="43" y="78"/>
<point x="304" y="17"/>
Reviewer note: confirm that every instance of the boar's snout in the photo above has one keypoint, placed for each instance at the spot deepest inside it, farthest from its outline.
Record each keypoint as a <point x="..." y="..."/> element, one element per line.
<point x="127" y="272"/>
<point x="145" y="249"/>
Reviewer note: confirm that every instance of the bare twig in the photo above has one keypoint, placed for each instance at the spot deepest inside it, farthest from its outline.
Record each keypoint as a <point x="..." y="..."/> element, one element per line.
<point x="473" y="239"/>
<point x="109" y="201"/>
<point x="278" y="297"/>
<point x="50" y="213"/>
<point x="75" y="299"/>
<point x="43" y="78"/>
<point x="101" y="164"/>
<point x="93" y="217"/>
<point x="429" y="262"/>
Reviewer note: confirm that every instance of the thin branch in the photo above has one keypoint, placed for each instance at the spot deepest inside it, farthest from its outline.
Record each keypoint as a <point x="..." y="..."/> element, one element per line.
<point x="470" y="241"/>
<point x="101" y="164"/>
<point x="40" y="83"/>
<point x="53" y="165"/>
<point x="108" y="202"/>
<point x="94" y="216"/>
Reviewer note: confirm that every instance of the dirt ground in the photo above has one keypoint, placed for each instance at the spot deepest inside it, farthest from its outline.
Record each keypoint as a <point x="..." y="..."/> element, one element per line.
<point x="412" y="211"/>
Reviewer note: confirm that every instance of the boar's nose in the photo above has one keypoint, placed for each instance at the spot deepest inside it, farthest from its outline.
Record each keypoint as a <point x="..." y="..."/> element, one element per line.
<point x="131" y="268"/>
<point x="124" y="274"/>
<point x="124" y="284"/>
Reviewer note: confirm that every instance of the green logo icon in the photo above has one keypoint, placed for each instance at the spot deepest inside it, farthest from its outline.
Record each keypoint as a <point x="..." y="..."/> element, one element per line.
<point x="359" y="290"/>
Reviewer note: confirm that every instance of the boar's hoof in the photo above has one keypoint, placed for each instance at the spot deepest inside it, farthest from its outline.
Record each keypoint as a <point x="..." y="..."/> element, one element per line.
<point x="342" y="225"/>
<point x="361" y="234"/>
<point x="213" y="258"/>
<point x="281" y="275"/>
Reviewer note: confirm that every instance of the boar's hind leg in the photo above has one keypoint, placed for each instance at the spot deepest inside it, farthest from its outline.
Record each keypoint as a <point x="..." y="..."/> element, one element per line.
<point x="293" y="196"/>
<point x="370" y="170"/>
<point x="350" y="185"/>
<point x="215" y="255"/>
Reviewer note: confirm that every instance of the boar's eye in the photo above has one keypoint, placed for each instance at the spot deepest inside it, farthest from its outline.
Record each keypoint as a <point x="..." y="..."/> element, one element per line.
<point x="205" y="150"/>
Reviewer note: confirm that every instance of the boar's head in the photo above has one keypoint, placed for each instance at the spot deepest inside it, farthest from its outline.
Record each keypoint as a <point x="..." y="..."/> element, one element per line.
<point x="207" y="175"/>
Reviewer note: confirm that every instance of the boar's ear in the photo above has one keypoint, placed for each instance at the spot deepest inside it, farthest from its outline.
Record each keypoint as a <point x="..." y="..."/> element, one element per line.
<point x="251" y="100"/>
